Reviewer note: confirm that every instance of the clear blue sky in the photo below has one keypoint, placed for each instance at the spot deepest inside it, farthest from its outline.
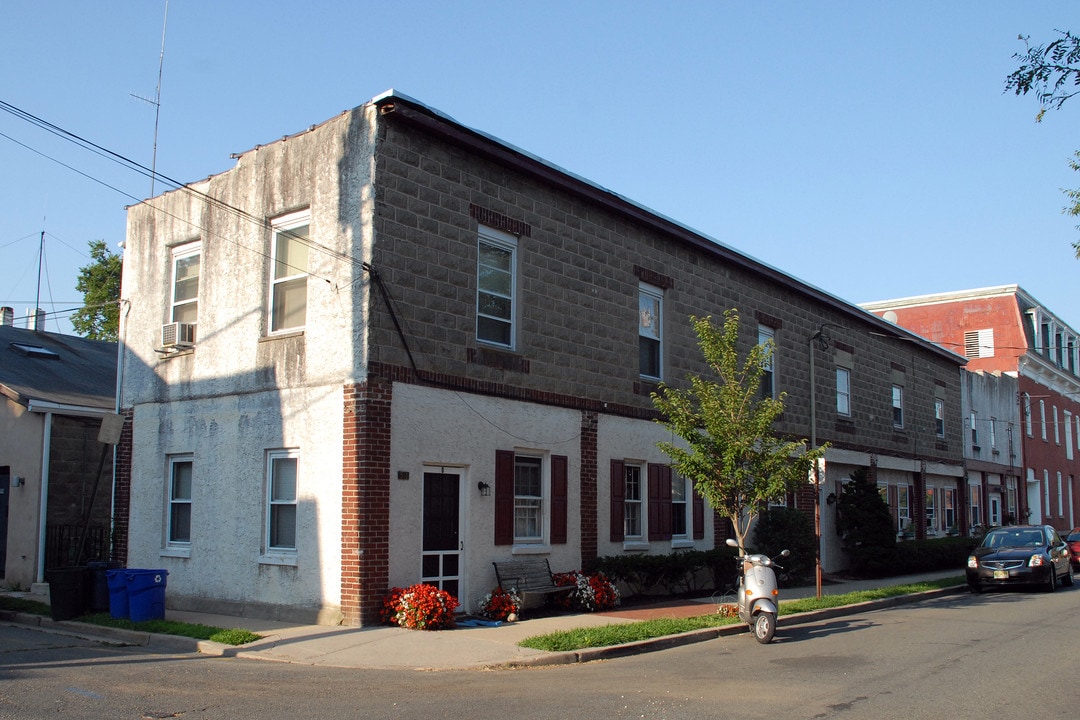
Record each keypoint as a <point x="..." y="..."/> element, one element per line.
<point x="865" y="148"/>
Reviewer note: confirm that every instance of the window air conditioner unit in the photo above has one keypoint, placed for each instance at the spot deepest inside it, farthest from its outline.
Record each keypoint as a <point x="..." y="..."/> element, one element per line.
<point x="178" y="335"/>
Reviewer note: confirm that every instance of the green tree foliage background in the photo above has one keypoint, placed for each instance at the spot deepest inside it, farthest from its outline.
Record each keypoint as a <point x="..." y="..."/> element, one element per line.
<point x="99" y="282"/>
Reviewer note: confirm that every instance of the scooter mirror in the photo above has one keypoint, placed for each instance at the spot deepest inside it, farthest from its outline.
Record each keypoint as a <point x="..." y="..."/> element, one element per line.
<point x="785" y="553"/>
<point x="731" y="542"/>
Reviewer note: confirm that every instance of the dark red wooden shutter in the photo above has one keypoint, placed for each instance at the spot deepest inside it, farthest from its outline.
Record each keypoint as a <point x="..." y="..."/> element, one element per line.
<point x="659" y="502"/>
<point x="559" y="492"/>
<point x="618" y="494"/>
<point x="504" y="497"/>
<point x="699" y="516"/>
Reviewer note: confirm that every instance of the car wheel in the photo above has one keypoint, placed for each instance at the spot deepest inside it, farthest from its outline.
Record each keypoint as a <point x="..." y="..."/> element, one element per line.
<point x="975" y="587"/>
<point x="1051" y="586"/>
<point x="1069" y="577"/>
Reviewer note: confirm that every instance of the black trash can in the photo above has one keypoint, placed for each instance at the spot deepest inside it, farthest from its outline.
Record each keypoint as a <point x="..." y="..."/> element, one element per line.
<point x="67" y="593"/>
<point x="97" y="584"/>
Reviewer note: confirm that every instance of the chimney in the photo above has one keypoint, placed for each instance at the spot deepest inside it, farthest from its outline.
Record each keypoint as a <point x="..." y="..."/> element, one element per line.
<point x="7" y="316"/>
<point x="39" y="320"/>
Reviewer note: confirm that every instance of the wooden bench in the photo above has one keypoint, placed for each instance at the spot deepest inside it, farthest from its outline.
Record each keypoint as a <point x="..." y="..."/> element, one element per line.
<point x="531" y="578"/>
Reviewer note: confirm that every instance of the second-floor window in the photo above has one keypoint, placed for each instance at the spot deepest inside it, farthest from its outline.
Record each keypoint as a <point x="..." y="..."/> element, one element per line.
<point x="974" y="420"/>
<point x="897" y="406"/>
<point x="496" y="285"/>
<point x="843" y="391"/>
<point x="186" y="261"/>
<point x="289" y="263"/>
<point x="767" y="336"/>
<point x="650" y="330"/>
<point x="939" y="417"/>
<point x="1027" y="414"/>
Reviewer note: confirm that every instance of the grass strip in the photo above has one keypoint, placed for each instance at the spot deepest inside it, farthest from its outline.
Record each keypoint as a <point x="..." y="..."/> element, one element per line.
<point x="233" y="636"/>
<point x="620" y="633"/>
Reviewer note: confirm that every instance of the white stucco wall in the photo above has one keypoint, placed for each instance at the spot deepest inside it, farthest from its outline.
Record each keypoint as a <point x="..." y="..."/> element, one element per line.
<point x="21" y="438"/>
<point x="435" y="429"/>
<point x="228" y="438"/>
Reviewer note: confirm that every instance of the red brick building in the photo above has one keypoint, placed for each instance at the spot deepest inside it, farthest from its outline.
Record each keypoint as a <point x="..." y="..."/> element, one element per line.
<point x="1007" y="331"/>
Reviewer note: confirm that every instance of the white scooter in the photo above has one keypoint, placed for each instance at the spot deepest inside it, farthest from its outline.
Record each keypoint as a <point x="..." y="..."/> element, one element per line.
<point x="758" y="594"/>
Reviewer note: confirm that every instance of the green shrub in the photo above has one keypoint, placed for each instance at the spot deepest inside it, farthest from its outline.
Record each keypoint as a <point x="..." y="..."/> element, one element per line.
<point x="683" y="571"/>
<point x="947" y="553"/>
<point x="782" y="528"/>
<point x="866" y="526"/>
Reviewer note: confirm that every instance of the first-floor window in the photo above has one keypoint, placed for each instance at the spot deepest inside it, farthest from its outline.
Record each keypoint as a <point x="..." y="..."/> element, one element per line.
<point x="930" y="493"/>
<point x="632" y="502"/>
<point x="281" y="510"/>
<point x="528" y="499"/>
<point x="678" y="505"/>
<point x="903" y="506"/>
<point x="975" y="516"/>
<point x="180" y="471"/>
<point x="948" y="508"/>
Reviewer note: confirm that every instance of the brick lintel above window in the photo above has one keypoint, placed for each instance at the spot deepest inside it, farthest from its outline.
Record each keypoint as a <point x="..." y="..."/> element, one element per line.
<point x="499" y="221"/>
<point x="653" y="278"/>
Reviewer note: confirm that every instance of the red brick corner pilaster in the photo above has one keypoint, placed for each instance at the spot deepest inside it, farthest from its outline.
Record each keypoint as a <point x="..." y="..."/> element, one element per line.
<point x="121" y="510"/>
<point x="365" y="495"/>
<point x="588" y="487"/>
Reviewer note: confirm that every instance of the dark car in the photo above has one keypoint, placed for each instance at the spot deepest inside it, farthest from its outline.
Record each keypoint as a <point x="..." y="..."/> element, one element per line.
<point x="1020" y="555"/>
<point x="1073" y="541"/>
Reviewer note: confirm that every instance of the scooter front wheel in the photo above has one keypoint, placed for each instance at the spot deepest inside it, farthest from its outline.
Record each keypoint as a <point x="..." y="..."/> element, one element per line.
<point x="764" y="627"/>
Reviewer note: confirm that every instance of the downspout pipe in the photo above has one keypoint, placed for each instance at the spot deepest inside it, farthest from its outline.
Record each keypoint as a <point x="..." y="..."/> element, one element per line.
<point x="43" y="503"/>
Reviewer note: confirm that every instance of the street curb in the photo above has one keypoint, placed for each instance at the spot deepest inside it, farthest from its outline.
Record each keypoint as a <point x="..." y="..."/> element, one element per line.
<point x="695" y="636"/>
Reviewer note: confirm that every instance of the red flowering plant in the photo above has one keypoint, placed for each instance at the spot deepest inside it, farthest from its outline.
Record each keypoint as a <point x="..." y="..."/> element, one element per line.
<point x="420" y="607"/>
<point x="500" y="604"/>
<point x="591" y="593"/>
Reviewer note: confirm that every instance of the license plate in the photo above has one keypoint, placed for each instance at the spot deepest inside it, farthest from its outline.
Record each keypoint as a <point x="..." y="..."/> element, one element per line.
<point x="1001" y="574"/>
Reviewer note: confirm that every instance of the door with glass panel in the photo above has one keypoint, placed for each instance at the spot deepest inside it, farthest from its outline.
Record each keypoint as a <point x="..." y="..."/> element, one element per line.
<point x="442" y="547"/>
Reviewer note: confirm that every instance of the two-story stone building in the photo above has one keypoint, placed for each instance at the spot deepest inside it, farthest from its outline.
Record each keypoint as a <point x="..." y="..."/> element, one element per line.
<point x="393" y="349"/>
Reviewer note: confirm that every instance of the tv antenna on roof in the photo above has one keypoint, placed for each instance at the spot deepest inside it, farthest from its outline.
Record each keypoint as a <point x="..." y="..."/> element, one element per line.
<point x="156" y="102"/>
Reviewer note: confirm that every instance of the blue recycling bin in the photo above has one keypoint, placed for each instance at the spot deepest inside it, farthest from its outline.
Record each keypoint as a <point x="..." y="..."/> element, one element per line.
<point x="118" y="593"/>
<point x="146" y="594"/>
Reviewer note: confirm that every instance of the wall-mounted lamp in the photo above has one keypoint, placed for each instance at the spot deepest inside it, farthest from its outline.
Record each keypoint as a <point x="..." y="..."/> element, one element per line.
<point x="484" y="488"/>
<point x="831" y="500"/>
<point x="18" y="481"/>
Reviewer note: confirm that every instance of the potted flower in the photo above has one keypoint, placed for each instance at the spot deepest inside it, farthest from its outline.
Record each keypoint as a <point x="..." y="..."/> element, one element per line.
<point x="501" y="604"/>
<point x="419" y="607"/>
<point x="591" y="593"/>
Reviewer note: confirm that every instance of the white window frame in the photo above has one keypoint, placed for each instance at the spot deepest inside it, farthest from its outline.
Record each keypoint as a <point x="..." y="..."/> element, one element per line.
<point x="278" y="502"/>
<point x="766" y="334"/>
<point x="1068" y="423"/>
<point x="177" y="502"/>
<point x="993" y="433"/>
<point x="1042" y="417"/>
<point x="974" y="504"/>
<point x="898" y="406"/>
<point x="939" y="417"/>
<point x="1060" y="497"/>
<point x="283" y="277"/>
<point x="680" y="507"/>
<point x="185" y="310"/>
<point x="948" y="508"/>
<point x="530" y="509"/>
<point x="973" y="418"/>
<point x="633" y="503"/>
<point x="903" y="507"/>
<point x="930" y="508"/>
<point x="502" y="290"/>
<point x="1027" y="415"/>
<point x="650" y="329"/>
<point x="843" y="391"/>
<point x="1057" y="426"/>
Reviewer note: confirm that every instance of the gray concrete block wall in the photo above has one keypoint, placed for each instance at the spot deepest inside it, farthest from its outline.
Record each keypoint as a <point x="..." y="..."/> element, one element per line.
<point x="577" y="301"/>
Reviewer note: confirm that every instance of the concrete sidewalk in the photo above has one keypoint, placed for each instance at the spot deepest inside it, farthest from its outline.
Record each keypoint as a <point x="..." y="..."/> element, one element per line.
<point x="460" y="648"/>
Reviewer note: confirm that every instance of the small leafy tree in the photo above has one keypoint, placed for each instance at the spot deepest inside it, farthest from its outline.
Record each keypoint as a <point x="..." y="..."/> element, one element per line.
<point x="732" y="455"/>
<point x="866" y="526"/>
<point x="99" y="282"/>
